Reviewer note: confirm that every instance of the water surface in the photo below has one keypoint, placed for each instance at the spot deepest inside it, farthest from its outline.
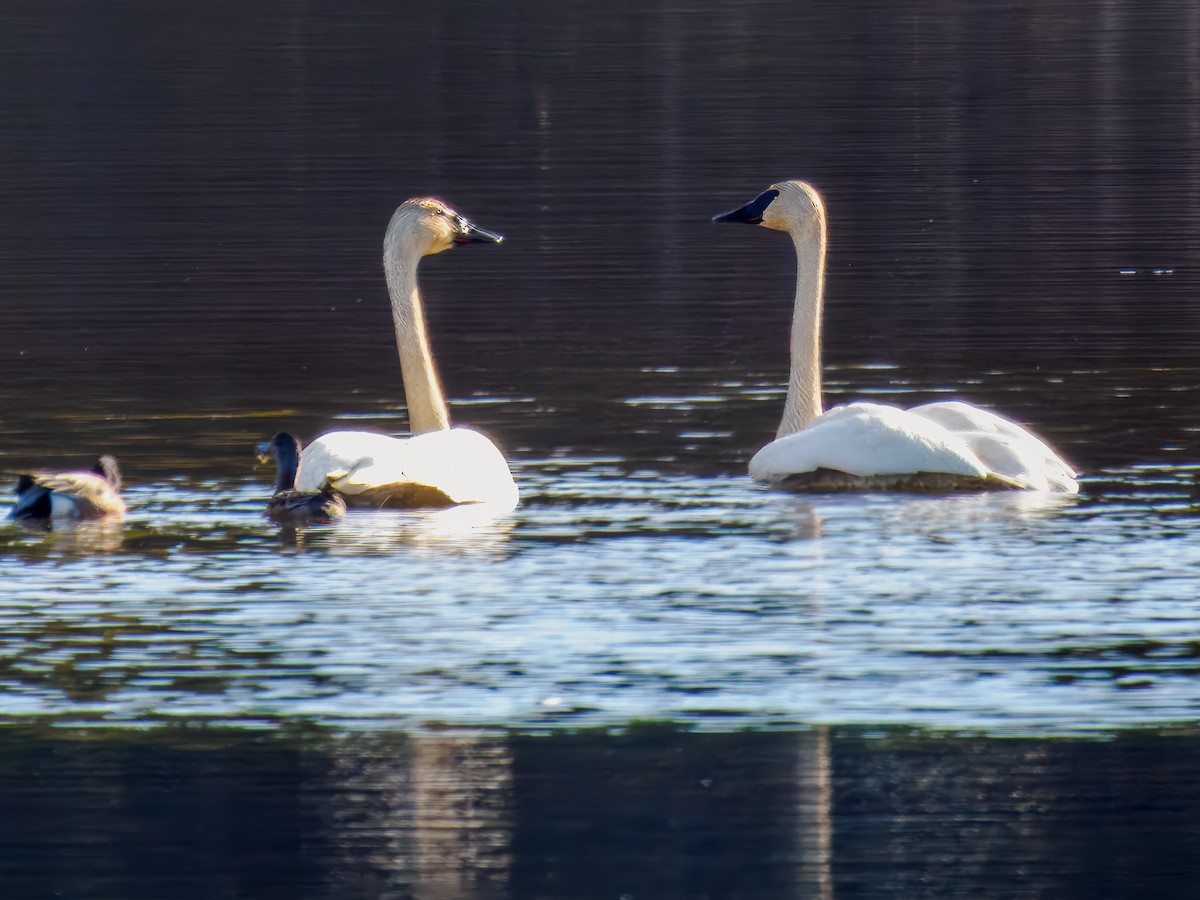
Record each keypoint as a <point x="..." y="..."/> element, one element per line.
<point x="614" y="594"/>
<point x="646" y="812"/>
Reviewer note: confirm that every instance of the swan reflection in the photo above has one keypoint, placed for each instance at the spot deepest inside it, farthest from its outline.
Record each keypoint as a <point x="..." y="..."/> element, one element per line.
<point x="475" y="529"/>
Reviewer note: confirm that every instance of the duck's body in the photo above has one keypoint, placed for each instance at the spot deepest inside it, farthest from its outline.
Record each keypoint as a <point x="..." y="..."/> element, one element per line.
<point x="438" y="465"/>
<point x="288" y="505"/>
<point x="306" y="507"/>
<point x="95" y="494"/>
<point x="947" y="446"/>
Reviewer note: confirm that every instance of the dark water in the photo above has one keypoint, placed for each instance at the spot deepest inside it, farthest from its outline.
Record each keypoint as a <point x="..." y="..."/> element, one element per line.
<point x="194" y="201"/>
<point x="650" y="812"/>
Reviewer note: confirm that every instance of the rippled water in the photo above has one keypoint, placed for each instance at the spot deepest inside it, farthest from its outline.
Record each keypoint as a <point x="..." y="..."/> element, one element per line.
<point x="616" y="593"/>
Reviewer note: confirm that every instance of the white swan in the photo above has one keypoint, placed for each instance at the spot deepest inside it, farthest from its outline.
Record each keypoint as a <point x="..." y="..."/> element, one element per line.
<point x="870" y="446"/>
<point x="438" y="465"/>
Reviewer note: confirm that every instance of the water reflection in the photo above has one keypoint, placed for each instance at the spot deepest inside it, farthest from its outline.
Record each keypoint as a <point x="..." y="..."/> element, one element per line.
<point x="646" y="811"/>
<point x="64" y="537"/>
<point x="430" y="814"/>
<point x="907" y="517"/>
<point x="476" y="529"/>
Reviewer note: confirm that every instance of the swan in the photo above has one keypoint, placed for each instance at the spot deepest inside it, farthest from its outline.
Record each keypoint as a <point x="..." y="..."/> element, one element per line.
<point x="288" y="504"/>
<point x="870" y="446"/>
<point x="438" y="465"/>
<point x="95" y="494"/>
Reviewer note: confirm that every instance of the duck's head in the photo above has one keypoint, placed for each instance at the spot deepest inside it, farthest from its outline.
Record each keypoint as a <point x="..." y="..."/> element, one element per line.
<point x="285" y="450"/>
<point x="283" y="447"/>
<point x="425" y="226"/>
<point x="784" y="206"/>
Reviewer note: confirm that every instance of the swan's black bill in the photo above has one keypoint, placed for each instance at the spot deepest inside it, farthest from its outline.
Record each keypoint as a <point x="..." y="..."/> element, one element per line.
<point x="469" y="233"/>
<point x="752" y="212"/>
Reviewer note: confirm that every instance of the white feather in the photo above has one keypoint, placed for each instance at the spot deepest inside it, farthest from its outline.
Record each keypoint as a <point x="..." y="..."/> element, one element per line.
<point x="461" y="463"/>
<point x="866" y="439"/>
<point x="1003" y="446"/>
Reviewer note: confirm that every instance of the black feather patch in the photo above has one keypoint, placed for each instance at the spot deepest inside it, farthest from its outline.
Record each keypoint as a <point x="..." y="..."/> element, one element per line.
<point x="33" y="500"/>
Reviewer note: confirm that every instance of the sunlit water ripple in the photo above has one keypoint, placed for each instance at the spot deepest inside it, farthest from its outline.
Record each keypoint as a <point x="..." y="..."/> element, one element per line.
<point x="616" y="593"/>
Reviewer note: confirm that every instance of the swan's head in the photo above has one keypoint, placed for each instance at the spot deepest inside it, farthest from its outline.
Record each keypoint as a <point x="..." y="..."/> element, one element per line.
<point x="425" y="226"/>
<point x="793" y="206"/>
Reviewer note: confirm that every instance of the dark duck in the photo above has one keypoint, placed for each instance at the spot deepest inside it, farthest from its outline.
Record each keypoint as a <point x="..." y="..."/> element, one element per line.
<point x="287" y="504"/>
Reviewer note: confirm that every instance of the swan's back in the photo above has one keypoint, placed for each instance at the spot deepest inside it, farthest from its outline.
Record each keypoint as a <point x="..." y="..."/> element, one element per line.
<point x="1003" y="446"/>
<point x="872" y="442"/>
<point x="437" y="468"/>
<point x="866" y="439"/>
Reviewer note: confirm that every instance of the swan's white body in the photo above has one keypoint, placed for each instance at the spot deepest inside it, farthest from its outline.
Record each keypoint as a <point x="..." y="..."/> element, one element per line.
<point x="870" y="445"/>
<point x="952" y="438"/>
<point x="438" y="465"/>
<point x="377" y="470"/>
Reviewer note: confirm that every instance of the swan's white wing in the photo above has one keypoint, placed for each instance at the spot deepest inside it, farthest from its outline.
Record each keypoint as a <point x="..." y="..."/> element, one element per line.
<point x="866" y="439"/>
<point x="1003" y="446"/>
<point x="350" y="459"/>
<point x="462" y="464"/>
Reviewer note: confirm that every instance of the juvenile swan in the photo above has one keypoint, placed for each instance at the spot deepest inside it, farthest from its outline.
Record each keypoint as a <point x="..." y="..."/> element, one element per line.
<point x="870" y="446"/>
<point x="288" y="505"/>
<point x="94" y="494"/>
<point x="438" y="465"/>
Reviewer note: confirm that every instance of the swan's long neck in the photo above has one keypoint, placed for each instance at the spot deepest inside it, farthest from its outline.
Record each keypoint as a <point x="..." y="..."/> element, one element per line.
<point x="804" y="386"/>
<point x="422" y="391"/>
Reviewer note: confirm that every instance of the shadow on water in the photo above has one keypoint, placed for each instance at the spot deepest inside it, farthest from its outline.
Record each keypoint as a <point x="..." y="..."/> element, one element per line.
<point x="648" y="811"/>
